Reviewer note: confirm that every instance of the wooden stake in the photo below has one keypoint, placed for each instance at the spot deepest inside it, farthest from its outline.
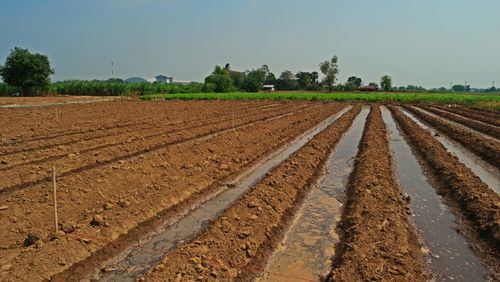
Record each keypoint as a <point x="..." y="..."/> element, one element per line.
<point x="56" y="221"/>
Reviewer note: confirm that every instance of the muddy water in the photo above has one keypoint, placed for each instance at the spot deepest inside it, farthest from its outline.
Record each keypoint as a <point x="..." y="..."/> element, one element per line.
<point x="463" y="126"/>
<point x="132" y="263"/>
<point x="486" y="172"/>
<point x="464" y="117"/>
<point x="308" y="246"/>
<point x="450" y="257"/>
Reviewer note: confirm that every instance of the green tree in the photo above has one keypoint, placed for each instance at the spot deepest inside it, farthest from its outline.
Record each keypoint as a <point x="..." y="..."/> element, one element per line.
<point x="220" y="79"/>
<point x="330" y="69"/>
<point x="270" y="79"/>
<point x="386" y="83"/>
<point x="237" y="77"/>
<point x="307" y="80"/>
<point x="459" y="88"/>
<point x="26" y="71"/>
<point x="287" y="81"/>
<point x="254" y="80"/>
<point x="353" y="83"/>
<point x="115" y="80"/>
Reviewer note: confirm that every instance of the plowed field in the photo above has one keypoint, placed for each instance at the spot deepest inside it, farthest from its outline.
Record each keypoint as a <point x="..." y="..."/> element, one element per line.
<point x="211" y="190"/>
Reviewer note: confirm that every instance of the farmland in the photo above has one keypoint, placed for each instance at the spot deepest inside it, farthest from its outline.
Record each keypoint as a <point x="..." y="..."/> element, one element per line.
<point x="487" y="100"/>
<point x="239" y="186"/>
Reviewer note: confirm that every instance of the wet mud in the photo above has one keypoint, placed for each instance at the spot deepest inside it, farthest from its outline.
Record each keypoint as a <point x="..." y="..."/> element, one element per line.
<point x="133" y="263"/>
<point x="449" y="254"/>
<point x="480" y="126"/>
<point x="309" y="244"/>
<point x="238" y="243"/>
<point x="377" y="237"/>
<point x="486" y="148"/>
<point x="474" y="201"/>
<point x="485" y="171"/>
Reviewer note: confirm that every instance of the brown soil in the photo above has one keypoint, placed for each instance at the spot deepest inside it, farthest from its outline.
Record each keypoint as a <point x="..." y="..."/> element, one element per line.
<point x="477" y="202"/>
<point x="24" y="170"/>
<point x="484" y="116"/>
<point x="484" y="147"/>
<point x="151" y="127"/>
<point x="482" y="111"/>
<point x="237" y="244"/>
<point x="133" y="190"/>
<point x="377" y="237"/>
<point x="479" y="126"/>
<point x="69" y="120"/>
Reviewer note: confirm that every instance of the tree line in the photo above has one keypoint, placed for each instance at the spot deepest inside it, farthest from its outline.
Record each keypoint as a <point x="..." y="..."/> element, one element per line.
<point x="224" y="79"/>
<point x="28" y="74"/>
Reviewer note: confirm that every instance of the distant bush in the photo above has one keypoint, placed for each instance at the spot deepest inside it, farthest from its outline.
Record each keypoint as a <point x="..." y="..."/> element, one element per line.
<point x="117" y="88"/>
<point x="7" y="90"/>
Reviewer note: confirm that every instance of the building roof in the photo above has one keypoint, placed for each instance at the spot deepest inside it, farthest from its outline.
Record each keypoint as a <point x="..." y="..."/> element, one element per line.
<point x="368" y="87"/>
<point x="135" y="80"/>
<point x="161" y="76"/>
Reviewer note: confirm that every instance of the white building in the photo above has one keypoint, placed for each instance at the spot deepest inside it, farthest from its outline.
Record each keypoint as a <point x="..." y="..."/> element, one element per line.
<point x="163" y="79"/>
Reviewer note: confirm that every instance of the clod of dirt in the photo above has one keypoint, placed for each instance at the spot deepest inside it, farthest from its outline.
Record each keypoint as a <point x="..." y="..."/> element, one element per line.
<point x="4" y="162"/>
<point x="2" y="208"/>
<point x="406" y="197"/>
<point x="124" y="203"/>
<point x="58" y="235"/>
<point x="159" y="267"/>
<point x="31" y="239"/>
<point x="195" y="260"/>
<point x="224" y="167"/>
<point x="110" y="268"/>
<point x="6" y="267"/>
<point x="97" y="220"/>
<point x="425" y="251"/>
<point x="108" y="206"/>
<point x="68" y="227"/>
<point x="252" y="205"/>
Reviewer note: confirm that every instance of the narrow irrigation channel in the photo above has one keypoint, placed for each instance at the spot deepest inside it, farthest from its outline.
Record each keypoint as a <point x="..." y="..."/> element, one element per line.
<point x="134" y="262"/>
<point x="485" y="171"/>
<point x="459" y="125"/>
<point x="450" y="257"/>
<point x="308" y="245"/>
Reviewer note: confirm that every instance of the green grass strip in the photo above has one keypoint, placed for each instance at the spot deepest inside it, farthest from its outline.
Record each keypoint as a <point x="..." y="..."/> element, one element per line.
<point x="339" y="97"/>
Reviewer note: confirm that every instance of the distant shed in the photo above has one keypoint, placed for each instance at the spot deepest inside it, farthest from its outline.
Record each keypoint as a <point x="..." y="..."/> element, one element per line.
<point x="368" y="88"/>
<point x="268" y="88"/>
<point x="164" y="79"/>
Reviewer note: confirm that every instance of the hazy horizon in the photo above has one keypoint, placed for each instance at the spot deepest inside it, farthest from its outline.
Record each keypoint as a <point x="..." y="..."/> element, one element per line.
<point x="427" y="43"/>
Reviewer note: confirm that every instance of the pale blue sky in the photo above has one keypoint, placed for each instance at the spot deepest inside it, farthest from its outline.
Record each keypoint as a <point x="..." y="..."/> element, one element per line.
<point x="423" y="42"/>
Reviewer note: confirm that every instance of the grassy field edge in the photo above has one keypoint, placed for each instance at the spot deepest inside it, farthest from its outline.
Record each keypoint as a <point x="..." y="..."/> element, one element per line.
<point x="365" y="97"/>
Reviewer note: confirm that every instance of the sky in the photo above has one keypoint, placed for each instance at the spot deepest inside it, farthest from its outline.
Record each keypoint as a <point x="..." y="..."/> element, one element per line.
<point x="420" y="42"/>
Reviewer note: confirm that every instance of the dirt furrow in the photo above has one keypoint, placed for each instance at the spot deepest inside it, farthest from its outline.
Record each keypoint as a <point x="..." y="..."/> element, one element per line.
<point x="485" y="117"/>
<point x="129" y="193"/>
<point x="51" y="122"/>
<point x="479" y="204"/>
<point x="146" y="121"/>
<point x="237" y="244"/>
<point x="484" y="111"/>
<point x="377" y="237"/>
<point x="52" y="152"/>
<point x="485" y="148"/>
<point x="479" y="126"/>
<point x="109" y="154"/>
